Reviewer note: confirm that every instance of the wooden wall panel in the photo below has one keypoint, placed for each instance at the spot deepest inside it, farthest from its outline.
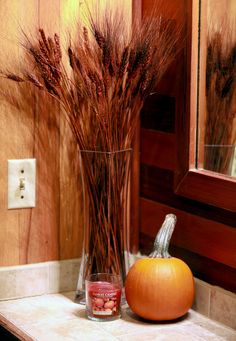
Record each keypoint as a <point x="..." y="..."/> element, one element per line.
<point x="26" y="17"/>
<point x="16" y="129"/>
<point x="41" y="233"/>
<point x="200" y="235"/>
<point x="31" y="235"/>
<point x="71" y="229"/>
<point x="160" y="147"/>
<point x="9" y="233"/>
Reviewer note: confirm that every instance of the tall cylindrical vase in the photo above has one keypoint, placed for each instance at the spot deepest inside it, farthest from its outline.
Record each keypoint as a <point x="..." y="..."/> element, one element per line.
<point x="105" y="180"/>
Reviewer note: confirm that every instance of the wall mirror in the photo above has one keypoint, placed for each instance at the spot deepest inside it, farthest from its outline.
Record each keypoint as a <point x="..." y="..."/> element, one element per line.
<point x="206" y="167"/>
<point x="217" y="87"/>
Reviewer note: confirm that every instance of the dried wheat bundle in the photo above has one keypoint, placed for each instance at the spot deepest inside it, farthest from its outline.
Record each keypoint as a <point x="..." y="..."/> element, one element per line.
<point x="111" y="74"/>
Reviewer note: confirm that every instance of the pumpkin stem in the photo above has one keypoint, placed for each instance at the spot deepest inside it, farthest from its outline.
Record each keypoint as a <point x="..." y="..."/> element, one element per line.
<point x="163" y="237"/>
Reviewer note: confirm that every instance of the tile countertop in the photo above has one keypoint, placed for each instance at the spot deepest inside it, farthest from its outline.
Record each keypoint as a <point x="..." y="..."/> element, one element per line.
<point x="56" y="317"/>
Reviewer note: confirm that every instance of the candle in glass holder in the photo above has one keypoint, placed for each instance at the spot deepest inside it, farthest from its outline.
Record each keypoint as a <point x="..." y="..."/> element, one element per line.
<point x="103" y="296"/>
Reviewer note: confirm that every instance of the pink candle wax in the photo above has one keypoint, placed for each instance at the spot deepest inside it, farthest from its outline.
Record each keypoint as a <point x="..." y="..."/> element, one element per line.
<point x="103" y="299"/>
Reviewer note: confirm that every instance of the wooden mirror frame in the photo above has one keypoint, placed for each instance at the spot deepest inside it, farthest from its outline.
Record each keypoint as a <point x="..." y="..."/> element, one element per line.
<point x="192" y="182"/>
<point x="198" y="184"/>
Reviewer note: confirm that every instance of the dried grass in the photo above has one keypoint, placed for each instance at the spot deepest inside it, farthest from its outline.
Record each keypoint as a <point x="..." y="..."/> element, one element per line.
<point x="111" y="74"/>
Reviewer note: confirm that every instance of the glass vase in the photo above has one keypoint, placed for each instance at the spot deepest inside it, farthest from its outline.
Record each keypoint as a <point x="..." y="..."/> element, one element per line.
<point x="106" y="216"/>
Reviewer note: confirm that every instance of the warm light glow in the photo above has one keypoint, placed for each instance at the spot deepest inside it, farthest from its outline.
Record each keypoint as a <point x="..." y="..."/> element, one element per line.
<point x="100" y="5"/>
<point x="69" y="13"/>
<point x="219" y="11"/>
<point x="71" y="10"/>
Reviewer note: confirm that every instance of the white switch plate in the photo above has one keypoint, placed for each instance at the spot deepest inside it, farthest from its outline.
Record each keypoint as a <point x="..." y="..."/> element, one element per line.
<point x="21" y="183"/>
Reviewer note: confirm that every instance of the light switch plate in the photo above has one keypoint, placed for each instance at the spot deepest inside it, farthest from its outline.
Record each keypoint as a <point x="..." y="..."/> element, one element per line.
<point x="21" y="183"/>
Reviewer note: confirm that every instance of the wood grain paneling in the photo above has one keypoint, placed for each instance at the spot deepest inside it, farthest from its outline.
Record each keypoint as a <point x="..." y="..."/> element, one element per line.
<point x="27" y="16"/>
<point x="158" y="149"/>
<point x="197" y="263"/>
<point x="157" y="184"/>
<point x="16" y="138"/>
<point x="200" y="235"/>
<point x="43" y="238"/>
<point x="71" y="229"/>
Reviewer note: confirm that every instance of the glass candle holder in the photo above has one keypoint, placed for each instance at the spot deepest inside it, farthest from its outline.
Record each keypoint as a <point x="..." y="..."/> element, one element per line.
<point x="103" y="296"/>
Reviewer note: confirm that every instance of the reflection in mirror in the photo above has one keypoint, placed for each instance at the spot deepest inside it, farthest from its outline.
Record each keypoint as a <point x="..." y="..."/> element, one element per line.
<point x="220" y="87"/>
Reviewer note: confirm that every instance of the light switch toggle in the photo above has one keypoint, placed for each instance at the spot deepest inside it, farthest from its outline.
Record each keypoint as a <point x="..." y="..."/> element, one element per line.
<point x="22" y="184"/>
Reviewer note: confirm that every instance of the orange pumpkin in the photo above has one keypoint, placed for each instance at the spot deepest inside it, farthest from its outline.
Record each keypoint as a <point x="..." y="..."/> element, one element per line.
<point x="160" y="287"/>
